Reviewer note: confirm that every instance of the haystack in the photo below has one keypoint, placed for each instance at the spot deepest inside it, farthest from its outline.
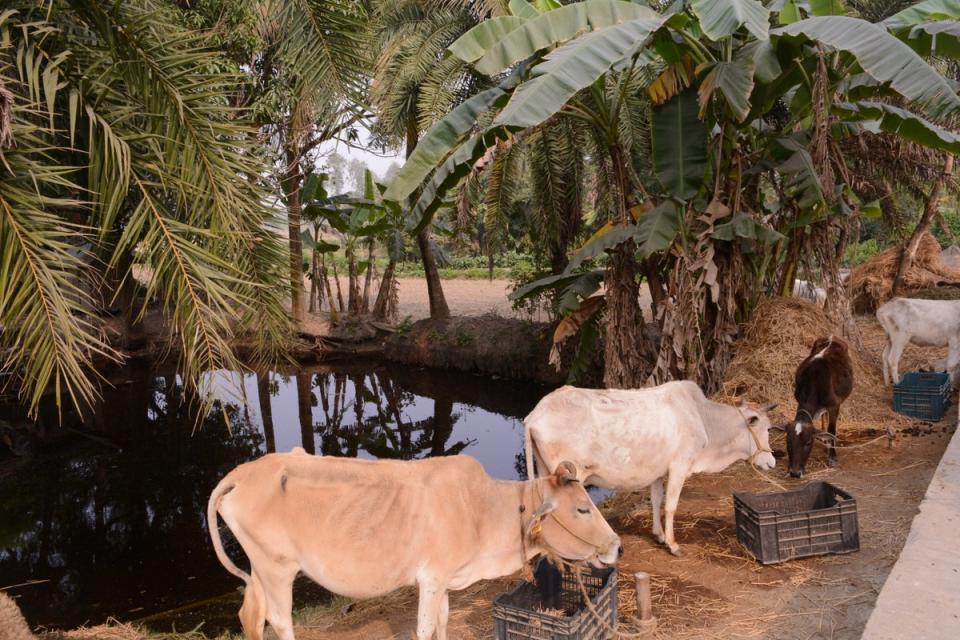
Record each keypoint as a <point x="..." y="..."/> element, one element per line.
<point x="871" y="283"/>
<point x="779" y="337"/>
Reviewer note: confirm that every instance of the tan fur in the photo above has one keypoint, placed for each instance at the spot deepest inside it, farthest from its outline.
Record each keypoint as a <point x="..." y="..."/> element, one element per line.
<point x="363" y="528"/>
<point x="12" y="624"/>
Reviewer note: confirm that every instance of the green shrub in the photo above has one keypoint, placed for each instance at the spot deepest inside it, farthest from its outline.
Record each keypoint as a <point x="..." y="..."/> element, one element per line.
<point x="860" y="252"/>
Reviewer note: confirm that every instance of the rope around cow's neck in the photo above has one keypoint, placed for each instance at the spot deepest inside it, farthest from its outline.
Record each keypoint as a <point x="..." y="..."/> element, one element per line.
<point x="751" y="460"/>
<point x="536" y="525"/>
<point x="588" y="602"/>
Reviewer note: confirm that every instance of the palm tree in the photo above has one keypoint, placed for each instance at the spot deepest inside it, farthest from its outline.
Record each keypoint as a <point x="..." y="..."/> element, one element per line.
<point x="414" y="85"/>
<point x="311" y="66"/>
<point x="120" y="147"/>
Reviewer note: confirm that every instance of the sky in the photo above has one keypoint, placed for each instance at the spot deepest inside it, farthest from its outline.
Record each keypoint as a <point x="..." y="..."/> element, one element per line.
<point x="376" y="162"/>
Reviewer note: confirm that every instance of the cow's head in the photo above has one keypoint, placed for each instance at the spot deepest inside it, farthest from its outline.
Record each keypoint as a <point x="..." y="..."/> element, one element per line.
<point x="801" y="436"/>
<point x="758" y="426"/>
<point x="567" y="522"/>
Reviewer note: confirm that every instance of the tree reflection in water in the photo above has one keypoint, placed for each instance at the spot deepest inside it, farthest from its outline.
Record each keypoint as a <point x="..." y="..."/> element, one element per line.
<point x="109" y="509"/>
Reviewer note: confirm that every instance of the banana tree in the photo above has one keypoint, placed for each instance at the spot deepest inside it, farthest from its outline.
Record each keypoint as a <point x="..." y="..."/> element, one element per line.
<point x="359" y="221"/>
<point x="739" y="177"/>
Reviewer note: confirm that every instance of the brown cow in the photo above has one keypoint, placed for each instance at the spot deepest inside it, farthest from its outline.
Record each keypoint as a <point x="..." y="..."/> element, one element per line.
<point x="362" y="528"/>
<point x="822" y="382"/>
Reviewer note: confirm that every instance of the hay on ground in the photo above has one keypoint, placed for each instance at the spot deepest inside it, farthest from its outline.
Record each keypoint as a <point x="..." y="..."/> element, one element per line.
<point x="871" y="283"/>
<point x="779" y="337"/>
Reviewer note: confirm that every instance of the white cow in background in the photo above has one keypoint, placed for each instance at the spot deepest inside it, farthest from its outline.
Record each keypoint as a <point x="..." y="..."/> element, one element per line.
<point x="628" y="439"/>
<point x="929" y="323"/>
<point x="809" y="291"/>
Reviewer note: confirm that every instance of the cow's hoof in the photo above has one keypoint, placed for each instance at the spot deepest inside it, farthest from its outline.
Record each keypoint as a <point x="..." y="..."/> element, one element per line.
<point x="677" y="551"/>
<point x="659" y="538"/>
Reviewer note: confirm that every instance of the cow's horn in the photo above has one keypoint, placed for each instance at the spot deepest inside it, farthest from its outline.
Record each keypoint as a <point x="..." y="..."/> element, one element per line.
<point x="770" y="407"/>
<point x="566" y="471"/>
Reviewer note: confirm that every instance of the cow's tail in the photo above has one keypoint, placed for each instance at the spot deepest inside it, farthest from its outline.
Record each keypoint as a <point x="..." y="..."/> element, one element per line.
<point x="213" y="507"/>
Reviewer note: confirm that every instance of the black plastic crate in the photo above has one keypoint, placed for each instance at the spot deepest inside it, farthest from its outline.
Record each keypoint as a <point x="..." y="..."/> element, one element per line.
<point x="922" y="394"/>
<point x="527" y="612"/>
<point x="816" y="519"/>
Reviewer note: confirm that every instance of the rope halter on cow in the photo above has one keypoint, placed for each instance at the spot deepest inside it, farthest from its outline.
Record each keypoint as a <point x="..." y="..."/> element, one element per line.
<point x="534" y="529"/>
<point x="756" y="440"/>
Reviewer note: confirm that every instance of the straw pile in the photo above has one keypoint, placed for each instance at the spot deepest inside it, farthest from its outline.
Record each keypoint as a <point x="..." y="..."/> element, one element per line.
<point x="871" y="283"/>
<point x="779" y="337"/>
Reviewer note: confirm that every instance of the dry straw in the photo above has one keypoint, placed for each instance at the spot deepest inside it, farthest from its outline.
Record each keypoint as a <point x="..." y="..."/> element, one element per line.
<point x="779" y="336"/>
<point x="871" y="283"/>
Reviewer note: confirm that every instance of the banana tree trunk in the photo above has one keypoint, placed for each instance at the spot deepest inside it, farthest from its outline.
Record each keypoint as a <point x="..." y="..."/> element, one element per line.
<point x="336" y="278"/>
<point x="353" y="286"/>
<point x="315" y="290"/>
<point x="623" y="367"/>
<point x="326" y="282"/>
<point x="383" y="304"/>
<point x="365" y="301"/>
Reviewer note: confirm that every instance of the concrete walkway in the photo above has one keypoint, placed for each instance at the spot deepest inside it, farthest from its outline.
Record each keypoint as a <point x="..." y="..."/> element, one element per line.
<point x="921" y="598"/>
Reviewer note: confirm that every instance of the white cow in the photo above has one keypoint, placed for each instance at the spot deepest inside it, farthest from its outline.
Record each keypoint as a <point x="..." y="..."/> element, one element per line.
<point x="933" y="323"/>
<point x="362" y="528"/>
<point x="809" y="291"/>
<point x="631" y="439"/>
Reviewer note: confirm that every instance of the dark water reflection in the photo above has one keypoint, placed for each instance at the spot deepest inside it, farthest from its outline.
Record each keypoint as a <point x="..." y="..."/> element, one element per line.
<point x="105" y="514"/>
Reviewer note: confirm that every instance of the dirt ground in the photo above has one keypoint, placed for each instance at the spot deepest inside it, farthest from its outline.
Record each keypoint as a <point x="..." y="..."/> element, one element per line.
<point x="468" y="298"/>
<point x="716" y="590"/>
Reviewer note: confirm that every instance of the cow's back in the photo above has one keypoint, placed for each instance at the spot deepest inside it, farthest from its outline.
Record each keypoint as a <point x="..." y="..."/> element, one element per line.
<point x="619" y="437"/>
<point x="927" y="322"/>
<point x="825" y="377"/>
<point x="358" y="527"/>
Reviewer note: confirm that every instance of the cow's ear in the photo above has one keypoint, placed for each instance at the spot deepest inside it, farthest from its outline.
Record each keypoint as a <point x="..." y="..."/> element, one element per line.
<point x="770" y="407"/>
<point x="566" y="472"/>
<point x="778" y="427"/>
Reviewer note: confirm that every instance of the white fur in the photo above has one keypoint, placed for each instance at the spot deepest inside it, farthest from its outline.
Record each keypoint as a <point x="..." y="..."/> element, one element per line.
<point x="934" y="323"/>
<point x="668" y="432"/>
<point x="798" y="428"/>
<point x="810" y="291"/>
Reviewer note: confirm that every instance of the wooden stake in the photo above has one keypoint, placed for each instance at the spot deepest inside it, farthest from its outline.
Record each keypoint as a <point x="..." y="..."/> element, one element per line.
<point x="644" y="606"/>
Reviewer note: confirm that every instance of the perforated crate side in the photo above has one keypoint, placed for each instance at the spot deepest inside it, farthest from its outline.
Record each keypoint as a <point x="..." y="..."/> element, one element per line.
<point x="516" y="616"/>
<point x="923" y="395"/>
<point x="780" y="526"/>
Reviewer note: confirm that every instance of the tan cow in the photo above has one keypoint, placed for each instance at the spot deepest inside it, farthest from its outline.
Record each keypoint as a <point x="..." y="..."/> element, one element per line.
<point x="363" y="528"/>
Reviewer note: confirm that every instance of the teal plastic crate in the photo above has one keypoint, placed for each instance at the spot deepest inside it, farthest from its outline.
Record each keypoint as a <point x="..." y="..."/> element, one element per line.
<point x="922" y="394"/>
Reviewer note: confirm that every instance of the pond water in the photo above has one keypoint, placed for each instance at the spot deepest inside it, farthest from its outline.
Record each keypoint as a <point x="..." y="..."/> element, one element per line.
<point x="103" y="515"/>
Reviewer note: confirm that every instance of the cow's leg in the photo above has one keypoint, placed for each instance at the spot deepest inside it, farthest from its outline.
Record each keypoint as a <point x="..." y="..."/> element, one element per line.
<point x="278" y="589"/>
<point x="885" y="361"/>
<point x="656" y="499"/>
<point x="897" y="344"/>
<point x="428" y="609"/>
<point x="834" y="413"/>
<point x="953" y="356"/>
<point x="443" y="615"/>
<point x="675" y="481"/>
<point x="253" y="612"/>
